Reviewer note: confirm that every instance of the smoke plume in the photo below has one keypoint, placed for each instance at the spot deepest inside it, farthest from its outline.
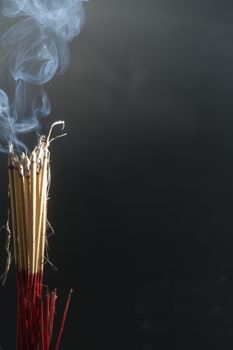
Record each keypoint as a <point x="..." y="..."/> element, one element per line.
<point x="34" y="41"/>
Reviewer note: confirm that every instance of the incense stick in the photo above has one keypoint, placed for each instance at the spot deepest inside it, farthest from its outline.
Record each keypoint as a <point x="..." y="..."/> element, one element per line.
<point x="29" y="180"/>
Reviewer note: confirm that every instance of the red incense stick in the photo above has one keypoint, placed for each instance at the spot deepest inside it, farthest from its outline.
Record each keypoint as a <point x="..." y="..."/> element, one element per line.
<point x="29" y="178"/>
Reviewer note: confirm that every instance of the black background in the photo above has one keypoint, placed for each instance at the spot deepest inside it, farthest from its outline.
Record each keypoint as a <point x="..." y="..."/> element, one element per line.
<point x="142" y="190"/>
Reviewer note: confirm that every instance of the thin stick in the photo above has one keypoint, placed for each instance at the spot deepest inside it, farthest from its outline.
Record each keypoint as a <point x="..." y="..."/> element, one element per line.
<point x="39" y="213"/>
<point x="42" y="213"/>
<point x="18" y="220"/>
<point x="33" y="208"/>
<point x="52" y="312"/>
<point x="21" y="189"/>
<point x="63" y="320"/>
<point x="13" y="216"/>
<point x="27" y="218"/>
<point x="44" y="217"/>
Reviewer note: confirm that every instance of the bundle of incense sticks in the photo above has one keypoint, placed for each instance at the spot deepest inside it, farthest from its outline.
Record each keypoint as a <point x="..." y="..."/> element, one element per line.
<point x="29" y="180"/>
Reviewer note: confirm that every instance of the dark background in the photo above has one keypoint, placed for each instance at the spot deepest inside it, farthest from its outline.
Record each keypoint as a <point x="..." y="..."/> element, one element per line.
<point x="142" y="186"/>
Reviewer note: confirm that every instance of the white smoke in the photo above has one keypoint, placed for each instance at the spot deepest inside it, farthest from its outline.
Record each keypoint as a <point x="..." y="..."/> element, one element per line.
<point x="34" y="47"/>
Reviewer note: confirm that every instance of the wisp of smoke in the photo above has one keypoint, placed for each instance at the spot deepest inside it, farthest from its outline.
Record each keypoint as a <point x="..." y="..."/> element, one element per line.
<point x="34" y="47"/>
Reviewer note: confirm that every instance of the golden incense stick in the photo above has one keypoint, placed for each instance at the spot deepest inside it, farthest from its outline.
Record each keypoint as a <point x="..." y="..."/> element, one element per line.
<point x="29" y="180"/>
